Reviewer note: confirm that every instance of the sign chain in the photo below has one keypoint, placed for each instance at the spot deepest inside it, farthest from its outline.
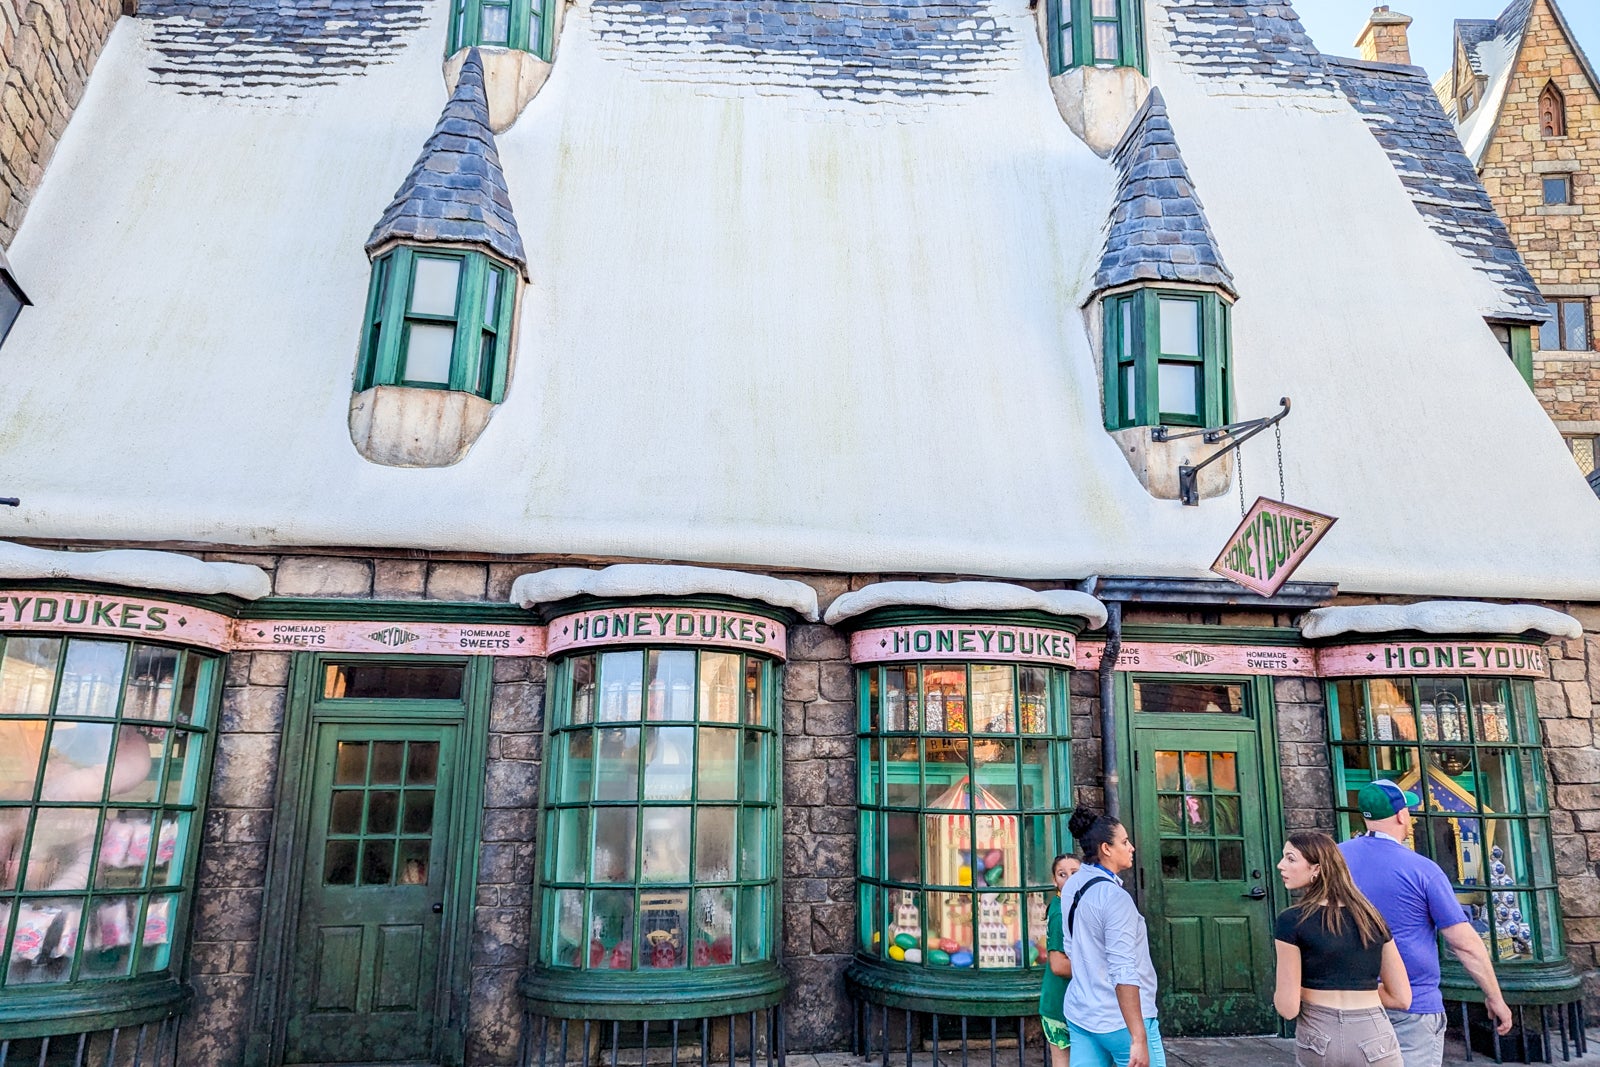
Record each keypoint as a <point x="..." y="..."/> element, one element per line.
<point x="1238" y="466"/>
<point x="1277" y="431"/>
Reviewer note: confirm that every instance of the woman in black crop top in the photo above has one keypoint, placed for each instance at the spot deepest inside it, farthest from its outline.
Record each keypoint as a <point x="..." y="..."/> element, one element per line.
<point x="1338" y="968"/>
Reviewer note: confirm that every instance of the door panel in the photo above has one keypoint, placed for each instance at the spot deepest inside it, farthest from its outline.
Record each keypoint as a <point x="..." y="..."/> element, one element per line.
<point x="369" y="947"/>
<point x="1202" y="842"/>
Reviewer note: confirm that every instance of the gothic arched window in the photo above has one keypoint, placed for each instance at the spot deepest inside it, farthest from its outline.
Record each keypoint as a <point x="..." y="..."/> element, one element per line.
<point x="1552" y="112"/>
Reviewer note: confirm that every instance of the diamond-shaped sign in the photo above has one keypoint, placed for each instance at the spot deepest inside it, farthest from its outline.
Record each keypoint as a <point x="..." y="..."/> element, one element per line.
<point x="1269" y="544"/>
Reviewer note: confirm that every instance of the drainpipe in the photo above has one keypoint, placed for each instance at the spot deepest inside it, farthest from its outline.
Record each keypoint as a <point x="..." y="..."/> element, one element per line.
<point x="1108" y="709"/>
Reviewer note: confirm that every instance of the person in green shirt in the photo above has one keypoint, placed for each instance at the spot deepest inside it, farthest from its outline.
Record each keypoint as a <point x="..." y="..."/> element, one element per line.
<point x="1058" y="969"/>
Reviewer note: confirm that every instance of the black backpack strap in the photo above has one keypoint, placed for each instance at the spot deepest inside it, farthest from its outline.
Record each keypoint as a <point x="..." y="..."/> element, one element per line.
<point x="1076" y="897"/>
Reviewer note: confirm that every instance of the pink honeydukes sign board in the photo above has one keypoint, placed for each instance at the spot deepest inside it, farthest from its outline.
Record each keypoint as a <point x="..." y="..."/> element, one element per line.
<point x="1202" y="659"/>
<point x="668" y="626"/>
<point x="964" y="641"/>
<point x="1445" y="656"/>
<point x="113" y="616"/>
<point x="1273" y="540"/>
<point x="416" y="638"/>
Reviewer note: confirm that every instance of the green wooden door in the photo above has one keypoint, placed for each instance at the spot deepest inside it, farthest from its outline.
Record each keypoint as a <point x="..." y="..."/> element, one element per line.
<point x="1204" y="863"/>
<point x="367" y="959"/>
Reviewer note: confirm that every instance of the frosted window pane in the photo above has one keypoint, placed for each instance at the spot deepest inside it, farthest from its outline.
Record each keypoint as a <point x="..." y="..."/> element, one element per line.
<point x="1549" y="335"/>
<point x="496" y="25"/>
<point x="1180" y="328"/>
<point x="1105" y="41"/>
<point x="1105" y="9"/>
<point x="491" y="298"/>
<point x="1129" y="409"/>
<point x="433" y="292"/>
<point x="1583" y="452"/>
<point x="1125" y="345"/>
<point x="428" y="353"/>
<point x="1574" y="317"/>
<point x="1180" y="388"/>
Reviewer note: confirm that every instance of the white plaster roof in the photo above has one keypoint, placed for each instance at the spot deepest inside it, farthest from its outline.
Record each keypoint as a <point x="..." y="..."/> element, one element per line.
<point x="767" y="326"/>
<point x="170" y="572"/>
<point x="967" y="596"/>
<point x="654" y="579"/>
<point x="1439" y="617"/>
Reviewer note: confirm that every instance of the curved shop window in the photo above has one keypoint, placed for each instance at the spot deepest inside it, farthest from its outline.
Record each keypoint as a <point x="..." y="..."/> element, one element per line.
<point x="1458" y="726"/>
<point x="661" y="813"/>
<point x="104" y="753"/>
<point x="964" y="777"/>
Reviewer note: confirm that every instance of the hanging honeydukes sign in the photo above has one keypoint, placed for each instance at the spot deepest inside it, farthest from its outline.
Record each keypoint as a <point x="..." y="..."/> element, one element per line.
<point x="948" y="641"/>
<point x="668" y="626"/>
<point x="1273" y="540"/>
<point x="156" y="620"/>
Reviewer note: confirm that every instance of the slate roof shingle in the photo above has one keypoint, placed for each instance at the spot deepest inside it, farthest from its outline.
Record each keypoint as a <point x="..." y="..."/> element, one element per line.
<point x="456" y="191"/>
<point x="1406" y="118"/>
<point x="1158" y="230"/>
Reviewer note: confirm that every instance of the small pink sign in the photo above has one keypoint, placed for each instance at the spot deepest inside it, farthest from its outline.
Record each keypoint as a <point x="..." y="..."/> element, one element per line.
<point x="113" y="616"/>
<point x="963" y="641"/>
<point x="668" y="626"/>
<point x="1455" y="656"/>
<point x="1269" y="544"/>
<point x="1203" y="659"/>
<point x="415" y="638"/>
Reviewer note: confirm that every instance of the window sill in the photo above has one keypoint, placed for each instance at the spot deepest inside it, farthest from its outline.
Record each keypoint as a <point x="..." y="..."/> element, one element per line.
<point x="87" y="1006"/>
<point x="1558" y="209"/>
<point x="945" y="990"/>
<point x="667" y="994"/>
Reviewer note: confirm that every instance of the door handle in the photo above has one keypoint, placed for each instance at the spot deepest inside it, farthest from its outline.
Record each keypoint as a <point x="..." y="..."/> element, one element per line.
<point x="1256" y="893"/>
<point x="438" y="909"/>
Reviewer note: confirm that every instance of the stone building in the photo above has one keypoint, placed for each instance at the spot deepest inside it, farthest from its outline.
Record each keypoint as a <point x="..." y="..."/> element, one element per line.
<point x="550" y="530"/>
<point x="1525" y="100"/>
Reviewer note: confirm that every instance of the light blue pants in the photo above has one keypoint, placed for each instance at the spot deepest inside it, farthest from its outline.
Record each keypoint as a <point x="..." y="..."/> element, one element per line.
<point x="1106" y="1050"/>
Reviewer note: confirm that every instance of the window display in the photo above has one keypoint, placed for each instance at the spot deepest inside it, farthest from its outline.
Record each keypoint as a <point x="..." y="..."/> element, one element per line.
<point x="962" y="770"/>
<point x="1469" y="748"/>
<point x="103" y="746"/>
<point x="661" y="814"/>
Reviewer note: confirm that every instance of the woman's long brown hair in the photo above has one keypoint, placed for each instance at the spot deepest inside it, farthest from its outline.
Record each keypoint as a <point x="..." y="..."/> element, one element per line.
<point x="1334" y="887"/>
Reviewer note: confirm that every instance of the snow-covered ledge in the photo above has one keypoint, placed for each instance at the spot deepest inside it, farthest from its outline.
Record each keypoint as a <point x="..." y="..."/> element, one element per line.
<point x="967" y="596"/>
<point x="651" y="579"/>
<point x="169" y="572"/>
<point x="1439" y="617"/>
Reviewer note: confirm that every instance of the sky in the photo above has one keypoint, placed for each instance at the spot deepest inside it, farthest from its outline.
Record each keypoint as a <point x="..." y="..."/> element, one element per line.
<point x="1335" y="24"/>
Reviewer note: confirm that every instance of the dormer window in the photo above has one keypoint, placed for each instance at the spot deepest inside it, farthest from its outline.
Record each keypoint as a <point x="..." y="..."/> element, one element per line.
<point x="522" y="25"/>
<point x="1552" y="112"/>
<point x="438" y="319"/>
<point x="1166" y="358"/>
<point x="1098" y="33"/>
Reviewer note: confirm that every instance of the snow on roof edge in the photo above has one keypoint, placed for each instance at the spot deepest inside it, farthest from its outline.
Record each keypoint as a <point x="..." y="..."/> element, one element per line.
<point x="651" y="579"/>
<point x="966" y="596"/>
<point x="1439" y="617"/>
<point x="140" y="568"/>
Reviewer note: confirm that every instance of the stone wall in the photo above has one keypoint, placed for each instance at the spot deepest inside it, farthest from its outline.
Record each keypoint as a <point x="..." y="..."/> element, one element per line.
<point x="47" y="49"/>
<point x="1561" y="245"/>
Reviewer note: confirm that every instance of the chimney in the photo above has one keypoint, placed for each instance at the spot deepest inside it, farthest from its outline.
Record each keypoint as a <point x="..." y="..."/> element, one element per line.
<point x="1384" y="39"/>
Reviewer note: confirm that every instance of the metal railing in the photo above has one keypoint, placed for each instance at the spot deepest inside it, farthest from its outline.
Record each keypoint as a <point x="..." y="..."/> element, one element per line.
<point x="995" y="1041"/>
<point x="1525" y="1043"/>
<point x="748" y="1039"/>
<point x="151" y="1044"/>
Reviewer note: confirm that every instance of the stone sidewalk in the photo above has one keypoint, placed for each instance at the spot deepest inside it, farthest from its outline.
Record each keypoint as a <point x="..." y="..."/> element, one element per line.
<point x="1190" y="1052"/>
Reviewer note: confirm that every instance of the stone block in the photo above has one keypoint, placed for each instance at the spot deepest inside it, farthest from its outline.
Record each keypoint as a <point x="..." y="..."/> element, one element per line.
<point x="833" y="928"/>
<point x="245" y="771"/>
<point x="248" y="825"/>
<point x="457" y="581"/>
<point x="800" y="681"/>
<point x="516" y="707"/>
<point x="319" y="576"/>
<point x="216" y="1024"/>
<point x="494" y="1017"/>
<point x="500" y="937"/>
<point x="810" y="641"/>
<point x="805" y="890"/>
<point x="822" y="856"/>
<point x="1580" y="896"/>
<point x="832" y="747"/>
<point x="521" y="746"/>
<point x="794" y="718"/>
<point x="511" y="669"/>
<point x="832" y="820"/>
<point x="1568" y="670"/>
<point x="841" y="783"/>
<point x="816" y="1008"/>
<point x="1578" y="702"/>
<point x="211" y="957"/>
<point x="797" y="929"/>
<point x="399" y="579"/>
<point x="829" y="587"/>
<point x="252" y="710"/>
<point x="509" y="824"/>
<point x="501" y="577"/>
<point x="233" y="866"/>
<point x="227" y="914"/>
<point x="505" y="863"/>
<point x="1568" y="733"/>
<point x="828" y="719"/>
<point x="838" y="683"/>
<point x="510" y="785"/>
<point x="803" y="786"/>
<point x="1551" y="699"/>
<point x="1574" y="766"/>
<point x="237" y="670"/>
<point x="270" y="668"/>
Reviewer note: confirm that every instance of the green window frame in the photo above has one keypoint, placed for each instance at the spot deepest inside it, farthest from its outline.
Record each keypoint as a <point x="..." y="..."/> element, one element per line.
<point x="523" y="25"/>
<point x="1098" y="33"/>
<point x="105" y="753"/>
<point x="1485" y="802"/>
<point x="929" y="733"/>
<point x="1167" y="358"/>
<point x="1517" y="341"/>
<point x="438" y="319"/>
<point x="662" y="812"/>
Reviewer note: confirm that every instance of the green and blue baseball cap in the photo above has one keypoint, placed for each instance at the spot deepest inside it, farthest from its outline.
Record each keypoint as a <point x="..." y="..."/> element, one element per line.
<point x="1383" y="799"/>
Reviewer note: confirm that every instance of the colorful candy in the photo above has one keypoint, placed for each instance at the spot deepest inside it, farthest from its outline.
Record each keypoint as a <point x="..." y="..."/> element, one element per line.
<point x="904" y="940"/>
<point x="913" y="955"/>
<point x="896" y="952"/>
<point x="993" y="875"/>
<point x="962" y="958"/>
<point x="948" y="945"/>
<point x="938" y="957"/>
<point x="964" y="875"/>
<point x="993" y="858"/>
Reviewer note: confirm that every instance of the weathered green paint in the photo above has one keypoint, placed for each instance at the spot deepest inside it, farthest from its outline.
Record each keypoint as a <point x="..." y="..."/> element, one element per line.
<point x="1210" y="941"/>
<point x="1137" y="349"/>
<point x="1065" y="54"/>
<point x="291" y="864"/>
<point x="946" y="990"/>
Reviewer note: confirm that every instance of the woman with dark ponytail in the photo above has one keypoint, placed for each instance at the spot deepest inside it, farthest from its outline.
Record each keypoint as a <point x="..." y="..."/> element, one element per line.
<point x="1111" y="1004"/>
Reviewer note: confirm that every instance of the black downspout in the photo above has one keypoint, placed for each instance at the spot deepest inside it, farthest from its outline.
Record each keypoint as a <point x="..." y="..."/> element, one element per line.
<point x="1108" y="710"/>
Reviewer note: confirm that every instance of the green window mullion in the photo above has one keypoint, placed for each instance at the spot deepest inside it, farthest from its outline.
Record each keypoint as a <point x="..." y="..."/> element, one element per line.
<point x="1082" y="33"/>
<point x="1147" y="346"/>
<point x="1132" y="36"/>
<point x="372" y="333"/>
<point x="1211" y="346"/>
<point x="1111" y="344"/>
<point x="386" y="362"/>
<point x="469" y="317"/>
<point x="500" y="357"/>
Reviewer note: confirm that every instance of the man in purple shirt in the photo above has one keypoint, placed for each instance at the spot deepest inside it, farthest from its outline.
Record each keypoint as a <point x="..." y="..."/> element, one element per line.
<point x="1414" y="897"/>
